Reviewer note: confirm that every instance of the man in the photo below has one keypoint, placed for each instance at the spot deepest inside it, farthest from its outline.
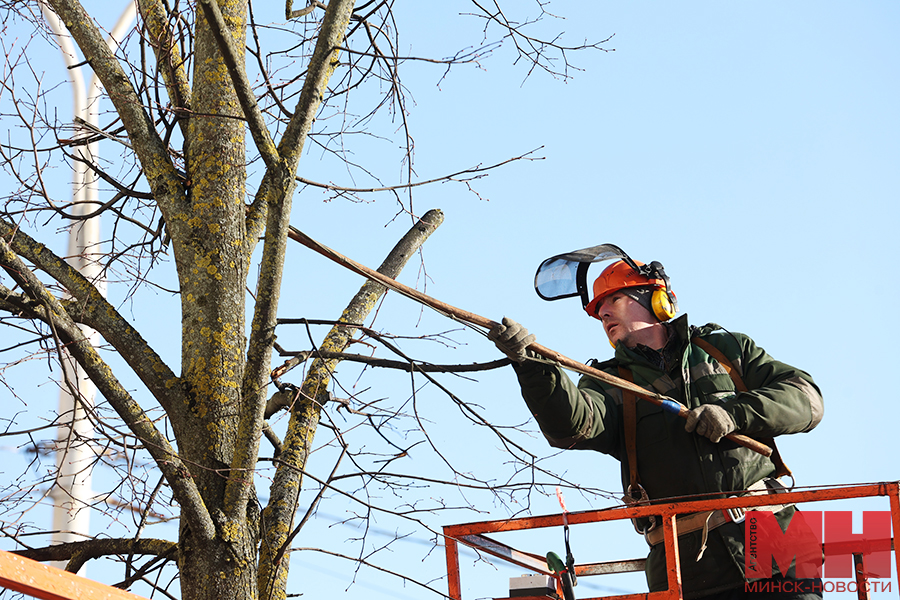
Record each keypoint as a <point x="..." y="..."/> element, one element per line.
<point x="662" y="455"/>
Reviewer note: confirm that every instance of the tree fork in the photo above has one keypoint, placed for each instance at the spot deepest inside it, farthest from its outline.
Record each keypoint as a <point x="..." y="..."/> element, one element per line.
<point x="276" y="191"/>
<point x="321" y="66"/>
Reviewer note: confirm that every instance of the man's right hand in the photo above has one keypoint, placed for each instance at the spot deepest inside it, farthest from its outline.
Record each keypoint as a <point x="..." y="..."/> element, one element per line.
<point x="511" y="339"/>
<point x="711" y="421"/>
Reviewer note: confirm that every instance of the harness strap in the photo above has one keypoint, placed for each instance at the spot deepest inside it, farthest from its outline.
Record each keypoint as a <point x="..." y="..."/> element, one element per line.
<point x="629" y="415"/>
<point x="635" y="494"/>
<point x="780" y="467"/>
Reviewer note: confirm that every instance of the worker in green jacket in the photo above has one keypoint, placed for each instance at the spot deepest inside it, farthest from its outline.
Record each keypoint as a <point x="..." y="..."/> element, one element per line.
<point x="664" y="456"/>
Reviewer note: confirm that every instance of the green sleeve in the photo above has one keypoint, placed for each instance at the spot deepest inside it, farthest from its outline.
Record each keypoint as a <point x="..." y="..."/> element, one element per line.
<point x="570" y="416"/>
<point x="781" y="399"/>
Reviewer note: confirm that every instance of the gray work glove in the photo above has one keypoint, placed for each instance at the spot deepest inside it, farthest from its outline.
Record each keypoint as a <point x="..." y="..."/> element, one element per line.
<point x="710" y="421"/>
<point x="511" y="339"/>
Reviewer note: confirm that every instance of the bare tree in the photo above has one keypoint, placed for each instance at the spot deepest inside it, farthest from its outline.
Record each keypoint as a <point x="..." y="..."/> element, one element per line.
<point x="186" y="190"/>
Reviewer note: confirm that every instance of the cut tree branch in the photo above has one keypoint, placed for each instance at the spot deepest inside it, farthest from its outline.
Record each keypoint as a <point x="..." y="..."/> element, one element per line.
<point x="278" y="515"/>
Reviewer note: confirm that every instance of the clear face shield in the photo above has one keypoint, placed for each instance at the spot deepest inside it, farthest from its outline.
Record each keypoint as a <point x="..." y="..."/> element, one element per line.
<point x="565" y="275"/>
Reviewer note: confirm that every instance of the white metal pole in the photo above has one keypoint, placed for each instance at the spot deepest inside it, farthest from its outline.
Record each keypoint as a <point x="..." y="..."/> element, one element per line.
<point x="72" y="493"/>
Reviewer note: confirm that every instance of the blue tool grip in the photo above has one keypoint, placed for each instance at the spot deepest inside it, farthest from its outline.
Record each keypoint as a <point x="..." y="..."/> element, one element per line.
<point x="672" y="406"/>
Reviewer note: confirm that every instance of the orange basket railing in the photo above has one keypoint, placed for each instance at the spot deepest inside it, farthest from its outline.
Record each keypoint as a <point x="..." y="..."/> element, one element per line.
<point x="473" y="535"/>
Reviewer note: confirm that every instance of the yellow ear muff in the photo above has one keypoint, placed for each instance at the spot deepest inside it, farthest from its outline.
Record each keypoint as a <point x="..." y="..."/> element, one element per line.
<point x="662" y="306"/>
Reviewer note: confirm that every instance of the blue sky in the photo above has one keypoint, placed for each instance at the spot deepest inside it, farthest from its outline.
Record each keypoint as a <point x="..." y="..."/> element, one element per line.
<point x="752" y="148"/>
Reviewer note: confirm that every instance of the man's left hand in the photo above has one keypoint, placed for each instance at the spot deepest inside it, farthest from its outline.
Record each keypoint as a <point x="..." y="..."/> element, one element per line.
<point x="710" y="421"/>
<point x="511" y="339"/>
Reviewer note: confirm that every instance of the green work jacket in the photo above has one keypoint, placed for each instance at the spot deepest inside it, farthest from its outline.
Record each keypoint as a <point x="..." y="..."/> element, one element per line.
<point x="672" y="462"/>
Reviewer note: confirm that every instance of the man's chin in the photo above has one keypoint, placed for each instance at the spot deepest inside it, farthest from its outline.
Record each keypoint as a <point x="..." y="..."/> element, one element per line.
<point x="627" y="339"/>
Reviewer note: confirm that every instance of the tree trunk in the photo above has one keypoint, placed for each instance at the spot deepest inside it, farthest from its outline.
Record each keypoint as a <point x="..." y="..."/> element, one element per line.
<point x="208" y="240"/>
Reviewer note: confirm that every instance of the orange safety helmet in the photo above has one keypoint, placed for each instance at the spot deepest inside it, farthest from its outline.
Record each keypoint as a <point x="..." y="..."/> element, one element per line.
<point x="621" y="275"/>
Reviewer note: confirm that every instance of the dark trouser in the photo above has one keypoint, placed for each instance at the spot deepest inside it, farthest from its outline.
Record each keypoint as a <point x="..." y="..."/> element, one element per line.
<point x="776" y="588"/>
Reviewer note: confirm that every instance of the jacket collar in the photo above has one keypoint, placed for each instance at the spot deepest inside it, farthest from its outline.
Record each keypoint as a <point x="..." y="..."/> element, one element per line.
<point x="679" y="337"/>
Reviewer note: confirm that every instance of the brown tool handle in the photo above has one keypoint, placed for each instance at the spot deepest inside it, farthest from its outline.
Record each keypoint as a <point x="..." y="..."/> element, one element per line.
<point x="740" y="439"/>
<point x="464" y="315"/>
<point x="748" y="442"/>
